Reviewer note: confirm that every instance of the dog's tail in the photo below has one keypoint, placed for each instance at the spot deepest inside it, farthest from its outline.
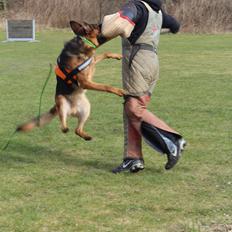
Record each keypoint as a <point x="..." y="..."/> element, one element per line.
<point x="38" y="121"/>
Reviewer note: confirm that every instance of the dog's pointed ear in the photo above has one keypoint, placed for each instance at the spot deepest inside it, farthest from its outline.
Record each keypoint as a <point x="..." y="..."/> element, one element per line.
<point x="77" y="28"/>
<point x="87" y="27"/>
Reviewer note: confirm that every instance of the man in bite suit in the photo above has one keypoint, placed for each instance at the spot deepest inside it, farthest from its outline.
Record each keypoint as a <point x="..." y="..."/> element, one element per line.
<point x="139" y="23"/>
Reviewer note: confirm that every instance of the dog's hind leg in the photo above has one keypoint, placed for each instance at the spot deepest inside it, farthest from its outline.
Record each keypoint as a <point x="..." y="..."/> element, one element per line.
<point x="63" y="108"/>
<point x="83" y="114"/>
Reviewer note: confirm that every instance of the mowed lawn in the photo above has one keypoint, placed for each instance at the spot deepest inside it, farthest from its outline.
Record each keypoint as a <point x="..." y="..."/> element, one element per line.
<point x="51" y="182"/>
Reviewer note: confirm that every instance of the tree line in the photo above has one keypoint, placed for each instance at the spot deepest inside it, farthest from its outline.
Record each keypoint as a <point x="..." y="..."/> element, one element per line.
<point x="194" y="15"/>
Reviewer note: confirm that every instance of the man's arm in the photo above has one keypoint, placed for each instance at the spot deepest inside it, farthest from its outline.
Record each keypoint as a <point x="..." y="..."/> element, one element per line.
<point x="121" y="23"/>
<point x="170" y="23"/>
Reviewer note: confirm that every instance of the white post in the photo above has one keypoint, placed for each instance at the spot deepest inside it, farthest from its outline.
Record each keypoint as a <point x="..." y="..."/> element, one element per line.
<point x="7" y="32"/>
<point x="33" y="26"/>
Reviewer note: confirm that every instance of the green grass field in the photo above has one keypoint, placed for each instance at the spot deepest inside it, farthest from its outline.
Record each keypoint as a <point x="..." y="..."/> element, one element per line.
<point x="51" y="182"/>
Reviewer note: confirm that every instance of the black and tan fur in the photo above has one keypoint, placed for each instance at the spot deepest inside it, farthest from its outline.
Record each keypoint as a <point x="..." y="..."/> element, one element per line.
<point x="77" y="104"/>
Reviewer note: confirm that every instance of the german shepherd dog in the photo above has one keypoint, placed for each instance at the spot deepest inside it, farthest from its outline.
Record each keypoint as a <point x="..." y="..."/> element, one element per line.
<point x="70" y="98"/>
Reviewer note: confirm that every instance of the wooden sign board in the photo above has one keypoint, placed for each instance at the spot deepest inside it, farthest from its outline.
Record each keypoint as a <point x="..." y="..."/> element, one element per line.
<point x="20" y="30"/>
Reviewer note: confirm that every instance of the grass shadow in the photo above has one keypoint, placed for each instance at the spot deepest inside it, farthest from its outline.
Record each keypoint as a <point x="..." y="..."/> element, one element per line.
<point x="34" y="153"/>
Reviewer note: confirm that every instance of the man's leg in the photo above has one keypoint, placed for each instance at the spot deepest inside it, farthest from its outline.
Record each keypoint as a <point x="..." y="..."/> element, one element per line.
<point x="133" y="157"/>
<point x="132" y="136"/>
<point x="137" y="120"/>
<point x="161" y="137"/>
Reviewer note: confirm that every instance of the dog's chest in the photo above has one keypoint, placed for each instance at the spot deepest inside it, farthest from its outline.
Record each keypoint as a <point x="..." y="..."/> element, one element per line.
<point x="91" y="71"/>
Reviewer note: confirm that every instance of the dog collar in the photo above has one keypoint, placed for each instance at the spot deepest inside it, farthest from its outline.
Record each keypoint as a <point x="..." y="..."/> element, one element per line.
<point x="88" y="42"/>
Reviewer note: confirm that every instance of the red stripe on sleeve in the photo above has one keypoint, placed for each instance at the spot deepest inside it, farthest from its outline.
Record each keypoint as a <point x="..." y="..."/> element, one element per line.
<point x="127" y="18"/>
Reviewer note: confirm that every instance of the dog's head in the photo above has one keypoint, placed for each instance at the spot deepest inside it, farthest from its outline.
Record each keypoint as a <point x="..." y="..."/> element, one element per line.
<point x="89" y="31"/>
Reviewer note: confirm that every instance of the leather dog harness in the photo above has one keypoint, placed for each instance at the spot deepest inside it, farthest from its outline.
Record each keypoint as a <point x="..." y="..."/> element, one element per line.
<point x="70" y="77"/>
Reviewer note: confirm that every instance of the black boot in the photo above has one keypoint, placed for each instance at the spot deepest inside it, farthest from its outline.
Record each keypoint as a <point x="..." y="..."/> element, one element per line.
<point x="174" y="156"/>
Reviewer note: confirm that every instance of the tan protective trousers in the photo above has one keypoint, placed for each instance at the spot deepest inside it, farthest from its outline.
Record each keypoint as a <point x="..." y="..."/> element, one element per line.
<point x="139" y="81"/>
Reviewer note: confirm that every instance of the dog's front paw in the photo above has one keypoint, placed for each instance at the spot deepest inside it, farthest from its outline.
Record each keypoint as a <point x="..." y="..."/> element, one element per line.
<point x="120" y="92"/>
<point x="114" y="56"/>
<point x="118" y="56"/>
